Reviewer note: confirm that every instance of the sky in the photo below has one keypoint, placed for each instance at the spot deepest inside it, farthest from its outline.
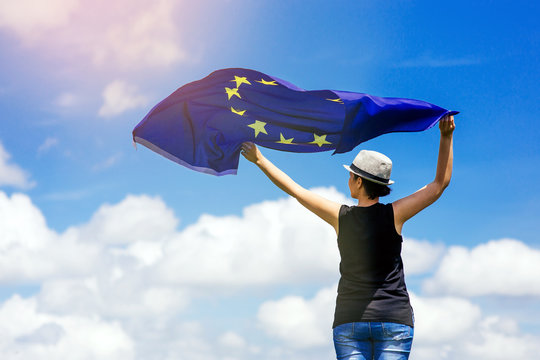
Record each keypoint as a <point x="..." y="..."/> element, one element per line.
<point x="110" y="251"/>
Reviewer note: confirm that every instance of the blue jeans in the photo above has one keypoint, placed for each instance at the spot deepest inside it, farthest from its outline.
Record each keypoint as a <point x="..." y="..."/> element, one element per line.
<point x="373" y="341"/>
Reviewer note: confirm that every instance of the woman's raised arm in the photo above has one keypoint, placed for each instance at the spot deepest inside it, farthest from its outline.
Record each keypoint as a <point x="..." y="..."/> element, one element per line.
<point x="323" y="208"/>
<point x="406" y="208"/>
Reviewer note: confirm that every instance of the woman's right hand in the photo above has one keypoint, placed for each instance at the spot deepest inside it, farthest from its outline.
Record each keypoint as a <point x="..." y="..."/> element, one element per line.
<point x="251" y="152"/>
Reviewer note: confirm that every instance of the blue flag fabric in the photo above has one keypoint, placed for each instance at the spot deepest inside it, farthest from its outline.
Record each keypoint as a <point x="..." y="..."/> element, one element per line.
<point x="203" y="124"/>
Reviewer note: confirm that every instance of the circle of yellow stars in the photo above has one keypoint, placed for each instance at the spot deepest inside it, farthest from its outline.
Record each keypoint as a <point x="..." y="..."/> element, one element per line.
<point x="259" y="126"/>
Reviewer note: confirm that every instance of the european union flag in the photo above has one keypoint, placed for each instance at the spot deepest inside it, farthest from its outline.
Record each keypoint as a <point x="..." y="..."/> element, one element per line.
<point x="203" y="124"/>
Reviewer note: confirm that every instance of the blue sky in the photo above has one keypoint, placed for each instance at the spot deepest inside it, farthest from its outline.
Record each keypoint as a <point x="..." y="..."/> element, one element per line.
<point x="77" y="76"/>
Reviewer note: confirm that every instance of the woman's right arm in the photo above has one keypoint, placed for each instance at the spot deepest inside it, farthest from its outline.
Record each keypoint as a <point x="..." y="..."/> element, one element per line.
<point x="324" y="208"/>
<point x="406" y="208"/>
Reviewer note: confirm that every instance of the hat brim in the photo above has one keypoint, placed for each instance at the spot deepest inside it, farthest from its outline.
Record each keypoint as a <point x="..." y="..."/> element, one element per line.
<point x="390" y="182"/>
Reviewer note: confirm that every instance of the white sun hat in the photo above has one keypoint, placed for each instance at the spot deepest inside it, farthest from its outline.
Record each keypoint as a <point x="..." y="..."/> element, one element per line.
<point x="372" y="166"/>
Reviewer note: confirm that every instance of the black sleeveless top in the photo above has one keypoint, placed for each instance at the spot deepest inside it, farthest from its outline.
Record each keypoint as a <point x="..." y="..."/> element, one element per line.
<point x="372" y="285"/>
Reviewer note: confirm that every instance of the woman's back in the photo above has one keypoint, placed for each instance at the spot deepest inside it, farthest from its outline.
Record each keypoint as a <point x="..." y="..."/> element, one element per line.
<point x="372" y="285"/>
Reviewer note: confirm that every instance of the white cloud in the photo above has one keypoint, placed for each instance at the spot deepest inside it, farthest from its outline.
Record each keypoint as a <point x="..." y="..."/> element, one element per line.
<point x="500" y="340"/>
<point x="95" y="268"/>
<point x="455" y="328"/>
<point x="263" y="247"/>
<point x="67" y="100"/>
<point x="29" y="18"/>
<point x="49" y="143"/>
<point x="420" y="257"/>
<point x="131" y="233"/>
<point x="112" y="293"/>
<point x="30" y="251"/>
<point x="298" y="322"/>
<point x="107" y="163"/>
<point x="443" y="318"/>
<point x="119" y="97"/>
<point x="126" y="34"/>
<point x="22" y="223"/>
<point x="499" y="267"/>
<point x="11" y="174"/>
<point x="128" y="274"/>
<point x="111" y="266"/>
<point x="230" y="339"/>
<point x="448" y="328"/>
<point x="135" y="219"/>
<point x="147" y="38"/>
<point x="272" y="242"/>
<point x="29" y="334"/>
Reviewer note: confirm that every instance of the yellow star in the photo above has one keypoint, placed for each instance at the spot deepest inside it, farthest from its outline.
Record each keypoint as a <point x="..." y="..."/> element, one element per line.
<point x="258" y="126"/>
<point x="238" y="112"/>
<point x="338" y="100"/>
<point x="240" y="80"/>
<point x="264" y="82"/>
<point x="232" y="92"/>
<point x="282" y="140"/>
<point x="320" y="140"/>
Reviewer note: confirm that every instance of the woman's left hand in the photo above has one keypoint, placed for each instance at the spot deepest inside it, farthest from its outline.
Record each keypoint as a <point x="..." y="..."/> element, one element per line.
<point x="251" y="152"/>
<point x="447" y="125"/>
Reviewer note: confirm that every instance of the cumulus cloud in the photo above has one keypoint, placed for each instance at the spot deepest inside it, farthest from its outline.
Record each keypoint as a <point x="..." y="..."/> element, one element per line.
<point x="119" y="97"/>
<point x="299" y="322"/>
<point x="30" y="251"/>
<point x="29" y="334"/>
<point x="456" y="328"/>
<point x="237" y="346"/>
<point x="419" y="256"/>
<point x="499" y="267"/>
<point x="264" y="246"/>
<point x="433" y="325"/>
<point x="500" y="339"/>
<point x="11" y="174"/>
<point x="115" y="266"/>
<point x="113" y="293"/>
<point x="126" y="34"/>
<point x="131" y="282"/>
<point x="445" y="327"/>
<point x="93" y="281"/>
<point x="143" y="219"/>
<point x="232" y="340"/>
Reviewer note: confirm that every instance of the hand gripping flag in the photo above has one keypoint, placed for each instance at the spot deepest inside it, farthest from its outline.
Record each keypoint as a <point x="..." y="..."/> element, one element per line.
<point x="203" y="124"/>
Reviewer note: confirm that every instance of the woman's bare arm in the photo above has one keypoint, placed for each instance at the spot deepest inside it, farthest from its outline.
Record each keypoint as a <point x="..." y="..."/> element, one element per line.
<point x="406" y="208"/>
<point x="324" y="208"/>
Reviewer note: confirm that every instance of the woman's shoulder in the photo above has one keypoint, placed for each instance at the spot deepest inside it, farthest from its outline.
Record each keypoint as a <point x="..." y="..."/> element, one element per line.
<point x="345" y="209"/>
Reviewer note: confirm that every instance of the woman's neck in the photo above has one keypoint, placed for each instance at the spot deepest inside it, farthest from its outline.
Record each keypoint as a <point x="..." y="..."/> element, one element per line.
<point x="364" y="201"/>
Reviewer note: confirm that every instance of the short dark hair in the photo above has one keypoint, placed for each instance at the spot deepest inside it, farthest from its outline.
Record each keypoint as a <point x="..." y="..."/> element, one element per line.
<point x="374" y="190"/>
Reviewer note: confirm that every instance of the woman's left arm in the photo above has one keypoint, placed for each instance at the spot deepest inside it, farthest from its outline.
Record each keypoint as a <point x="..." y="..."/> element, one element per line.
<point x="407" y="207"/>
<point x="323" y="208"/>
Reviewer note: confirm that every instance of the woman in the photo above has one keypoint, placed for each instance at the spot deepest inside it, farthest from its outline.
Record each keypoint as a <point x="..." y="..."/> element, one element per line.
<point x="373" y="317"/>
